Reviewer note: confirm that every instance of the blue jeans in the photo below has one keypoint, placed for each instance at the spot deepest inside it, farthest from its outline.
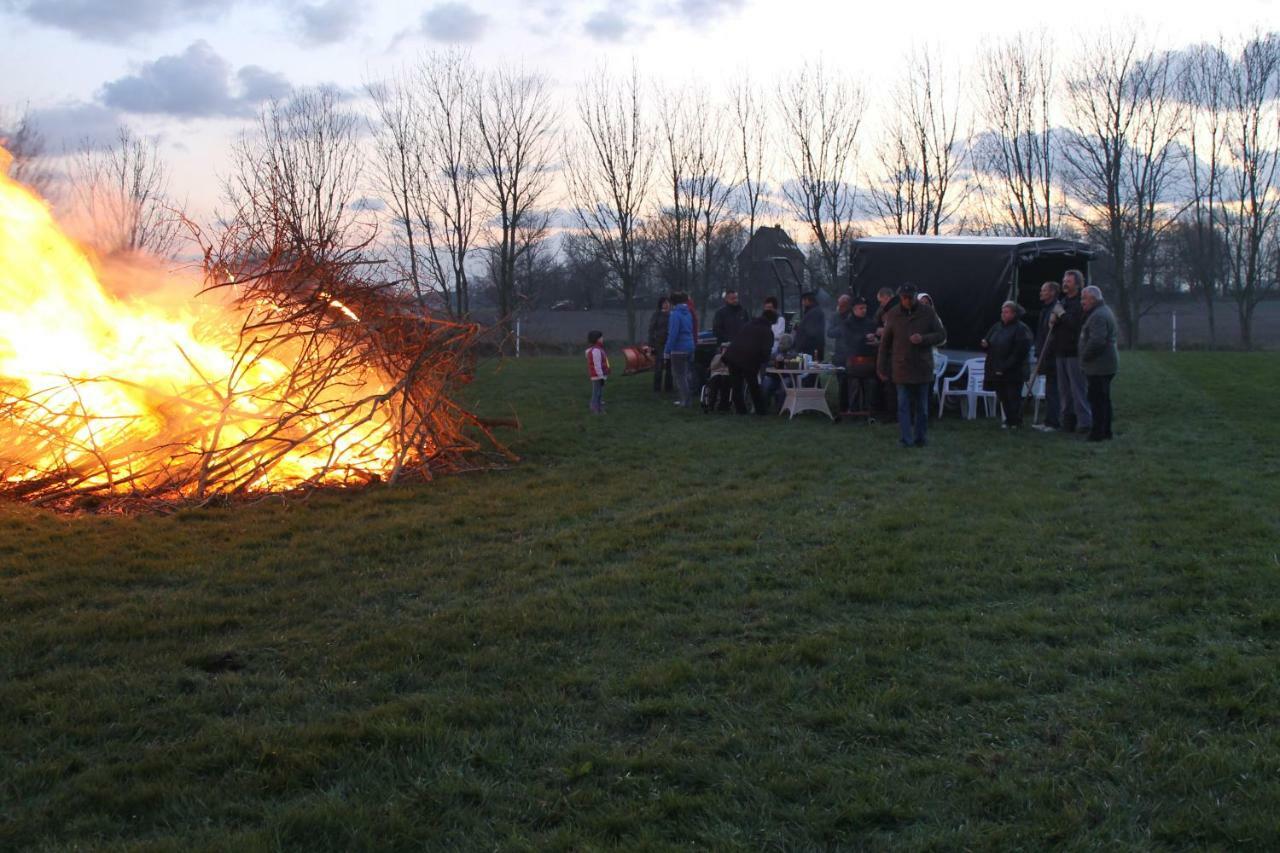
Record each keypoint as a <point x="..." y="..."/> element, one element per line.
<point x="597" y="395"/>
<point x="680" y="371"/>
<point x="914" y="394"/>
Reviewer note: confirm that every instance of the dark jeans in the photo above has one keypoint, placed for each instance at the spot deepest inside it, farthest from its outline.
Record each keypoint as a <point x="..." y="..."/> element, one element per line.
<point x="597" y="395"/>
<point x="661" y="372"/>
<point x="1010" y="396"/>
<point x="1100" y="405"/>
<point x="914" y="395"/>
<point x="884" y="394"/>
<point x="750" y="379"/>
<point x="1052" y="406"/>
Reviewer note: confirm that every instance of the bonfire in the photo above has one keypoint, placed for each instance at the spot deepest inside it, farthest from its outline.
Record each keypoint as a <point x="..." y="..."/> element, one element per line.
<point x="282" y="372"/>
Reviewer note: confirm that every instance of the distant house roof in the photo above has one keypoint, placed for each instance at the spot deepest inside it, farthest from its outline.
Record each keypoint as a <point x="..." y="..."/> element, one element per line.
<point x="770" y="241"/>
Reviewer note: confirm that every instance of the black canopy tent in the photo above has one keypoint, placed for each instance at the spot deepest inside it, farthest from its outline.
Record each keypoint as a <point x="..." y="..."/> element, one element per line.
<point x="968" y="277"/>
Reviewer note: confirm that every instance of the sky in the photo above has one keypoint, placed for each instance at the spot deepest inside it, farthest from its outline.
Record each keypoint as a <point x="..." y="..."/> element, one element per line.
<point x="193" y="72"/>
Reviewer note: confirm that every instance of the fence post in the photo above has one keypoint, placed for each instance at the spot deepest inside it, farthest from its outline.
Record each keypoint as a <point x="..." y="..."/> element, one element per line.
<point x="517" y="337"/>
<point x="1175" y="331"/>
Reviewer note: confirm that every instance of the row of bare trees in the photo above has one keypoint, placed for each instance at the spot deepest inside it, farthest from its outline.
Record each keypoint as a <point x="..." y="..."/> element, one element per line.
<point x="1134" y="149"/>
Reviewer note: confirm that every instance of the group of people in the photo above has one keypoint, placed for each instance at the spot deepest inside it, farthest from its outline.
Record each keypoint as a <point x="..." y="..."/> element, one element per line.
<point x="890" y="357"/>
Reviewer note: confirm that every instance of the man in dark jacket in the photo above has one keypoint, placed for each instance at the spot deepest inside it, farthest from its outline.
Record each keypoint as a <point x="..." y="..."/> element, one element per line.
<point x="746" y="355"/>
<point x="911" y="331"/>
<point x="729" y="318"/>
<point x="658" y="322"/>
<point x="1099" y="359"/>
<point x="884" y="392"/>
<point x="1049" y="292"/>
<point x="1008" y="346"/>
<point x="1066" y="335"/>
<point x="811" y="330"/>
<point x="841" y="334"/>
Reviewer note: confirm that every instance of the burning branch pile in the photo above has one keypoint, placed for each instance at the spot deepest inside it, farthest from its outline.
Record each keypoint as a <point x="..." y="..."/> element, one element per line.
<point x="295" y="369"/>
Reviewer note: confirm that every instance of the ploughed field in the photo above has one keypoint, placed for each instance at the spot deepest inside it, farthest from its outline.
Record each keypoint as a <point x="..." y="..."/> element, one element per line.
<point x="667" y="629"/>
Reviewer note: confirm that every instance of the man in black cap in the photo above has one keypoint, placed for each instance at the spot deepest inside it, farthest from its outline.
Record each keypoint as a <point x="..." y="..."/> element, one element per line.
<point x="911" y="331"/>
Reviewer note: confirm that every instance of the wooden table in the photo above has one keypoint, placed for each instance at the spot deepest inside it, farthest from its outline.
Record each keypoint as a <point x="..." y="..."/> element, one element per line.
<point x="801" y="399"/>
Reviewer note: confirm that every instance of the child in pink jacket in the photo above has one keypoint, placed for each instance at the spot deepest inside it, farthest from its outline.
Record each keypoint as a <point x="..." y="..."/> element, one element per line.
<point x="597" y="370"/>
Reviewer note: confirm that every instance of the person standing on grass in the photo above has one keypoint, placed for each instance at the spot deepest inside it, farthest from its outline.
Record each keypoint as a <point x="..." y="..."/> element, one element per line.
<point x="811" y="332"/>
<point x="1008" y="347"/>
<point x="1049" y="292"/>
<point x="729" y="318"/>
<point x="884" y="391"/>
<point x="1066" y="337"/>
<point x="911" y="331"/>
<point x="840" y="330"/>
<point x="746" y="356"/>
<point x="597" y="370"/>
<point x="679" y="347"/>
<point x="1099" y="359"/>
<point x="658" y="344"/>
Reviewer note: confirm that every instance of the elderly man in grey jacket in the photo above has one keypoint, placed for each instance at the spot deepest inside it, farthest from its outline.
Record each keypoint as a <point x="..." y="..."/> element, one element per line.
<point x="1099" y="359"/>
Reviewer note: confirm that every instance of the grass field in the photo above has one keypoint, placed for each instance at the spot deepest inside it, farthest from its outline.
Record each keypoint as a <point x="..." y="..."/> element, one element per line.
<point x="664" y="630"/>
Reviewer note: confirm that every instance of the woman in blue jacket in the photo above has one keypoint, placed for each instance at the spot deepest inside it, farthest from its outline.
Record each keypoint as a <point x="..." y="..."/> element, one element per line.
<point x="679" y="348"/>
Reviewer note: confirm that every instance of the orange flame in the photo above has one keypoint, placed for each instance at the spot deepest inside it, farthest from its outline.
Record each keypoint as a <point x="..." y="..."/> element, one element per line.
<point x="116" y="395"/>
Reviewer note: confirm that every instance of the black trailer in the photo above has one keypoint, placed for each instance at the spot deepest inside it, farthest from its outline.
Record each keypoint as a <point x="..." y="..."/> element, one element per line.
<point x="968" y="277"/>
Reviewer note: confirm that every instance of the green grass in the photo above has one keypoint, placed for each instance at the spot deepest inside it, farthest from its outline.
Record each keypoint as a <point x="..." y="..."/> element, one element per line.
<point x="664" y="630"/>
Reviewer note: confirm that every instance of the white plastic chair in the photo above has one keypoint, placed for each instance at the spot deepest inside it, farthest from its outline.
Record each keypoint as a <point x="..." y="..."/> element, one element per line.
<point x="1037" y="392"/>
<point x="939" y="368"/>
<point x="967" y="384"/>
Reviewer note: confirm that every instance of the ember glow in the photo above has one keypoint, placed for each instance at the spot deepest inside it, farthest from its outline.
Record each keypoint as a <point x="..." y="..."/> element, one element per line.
<point x="108" y="397"/>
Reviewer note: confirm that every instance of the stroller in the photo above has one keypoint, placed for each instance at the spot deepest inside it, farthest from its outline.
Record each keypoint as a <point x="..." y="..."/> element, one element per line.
<point x="717" y="391"/>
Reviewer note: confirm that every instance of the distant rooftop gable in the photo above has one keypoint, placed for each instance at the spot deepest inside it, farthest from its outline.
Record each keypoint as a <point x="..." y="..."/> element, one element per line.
<point x="770" y="241"/>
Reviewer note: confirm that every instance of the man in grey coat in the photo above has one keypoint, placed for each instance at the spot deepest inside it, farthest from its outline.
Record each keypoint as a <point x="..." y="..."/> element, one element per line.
<point x="1099" y="359"/>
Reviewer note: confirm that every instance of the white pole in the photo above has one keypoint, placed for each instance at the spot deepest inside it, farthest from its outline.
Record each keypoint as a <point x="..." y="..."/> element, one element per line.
<point x="517" y="338"/>
<point x="1175" y="331"/>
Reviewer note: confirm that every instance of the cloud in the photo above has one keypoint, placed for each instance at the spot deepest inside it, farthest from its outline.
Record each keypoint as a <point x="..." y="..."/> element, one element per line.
<point x="193" y="84"/>
<point x="71" y="125"/>
<point x="454" y="22"/>
<point x="257" y="84"/>
<point x="117" y="20"/>
<point x="611" y="25"/>
<point x="702" y="11"/>
<point x="329" y="22"/>
<point x="368" y="203"/>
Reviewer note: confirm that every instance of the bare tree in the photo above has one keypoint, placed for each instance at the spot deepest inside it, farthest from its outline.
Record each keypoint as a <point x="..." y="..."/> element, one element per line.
<point x="1252" y="202"/>
<point x="694" y="141"/>
<point x="821" y="116"/>
<point x="1203" y="85"/>
<point x="1015" y="153"/>
<point x="25" y="144"/>
<point x="294" y="178"/>
<point x="1120" y="157"/>
<point x="515" y="121"/>
<point x="447" y="81"/>
<point x="675" y="229"/>
<point x="121" y="193"/>
<point x="750" y="144"/>
<point x="610" y="170"/>
<point x="428" y="170"/>
<point x="920" y="157"/>
<point x="401" y="164"/>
